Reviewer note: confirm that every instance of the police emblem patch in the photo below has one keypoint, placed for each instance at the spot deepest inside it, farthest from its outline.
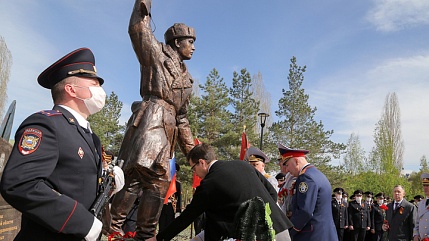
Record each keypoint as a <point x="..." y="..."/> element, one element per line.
<point x="30" y="141"/>
<point x="303" y="187"/>
<point x="80" y="152"/>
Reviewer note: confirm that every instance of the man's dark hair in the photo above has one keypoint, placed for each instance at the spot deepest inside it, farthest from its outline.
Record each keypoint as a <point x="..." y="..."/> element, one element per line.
<point x="201" y="151"/>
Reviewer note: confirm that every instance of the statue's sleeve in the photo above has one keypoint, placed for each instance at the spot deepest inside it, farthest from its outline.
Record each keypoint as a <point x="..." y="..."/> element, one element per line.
<point x="184" y="137"/>
<point x="144" y="42"/>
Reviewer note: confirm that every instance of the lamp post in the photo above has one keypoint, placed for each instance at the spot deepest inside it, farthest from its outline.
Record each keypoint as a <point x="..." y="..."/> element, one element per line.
<point x="263" y="117"/>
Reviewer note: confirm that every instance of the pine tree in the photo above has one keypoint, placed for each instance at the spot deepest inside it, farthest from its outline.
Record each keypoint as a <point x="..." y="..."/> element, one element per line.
<point x="214" y="120"/>
<point x="106" y="124"/>
<point x="245" y="109"/>
<point x="297" y="127"/>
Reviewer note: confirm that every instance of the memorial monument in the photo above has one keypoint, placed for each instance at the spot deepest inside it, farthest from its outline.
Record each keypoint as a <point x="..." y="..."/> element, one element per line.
<point x="158" y="121"/>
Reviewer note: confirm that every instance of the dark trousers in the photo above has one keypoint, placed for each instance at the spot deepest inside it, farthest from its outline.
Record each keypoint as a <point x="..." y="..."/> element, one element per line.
<point x="358" y="234"/>
<point x="340" y="233"/>
<point x="378" y="236"/>
<point x="166" y="217"/>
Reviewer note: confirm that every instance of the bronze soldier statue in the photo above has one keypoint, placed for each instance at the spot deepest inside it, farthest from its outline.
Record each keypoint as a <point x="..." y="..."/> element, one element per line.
<point x="157" y="121"/>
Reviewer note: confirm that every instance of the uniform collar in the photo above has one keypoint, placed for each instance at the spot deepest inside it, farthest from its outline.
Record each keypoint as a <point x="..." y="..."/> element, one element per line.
<point x="80" y="119"/>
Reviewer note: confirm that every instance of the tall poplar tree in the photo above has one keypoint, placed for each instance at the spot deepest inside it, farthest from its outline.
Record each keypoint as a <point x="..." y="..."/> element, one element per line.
<point x="389" y="146"/>
<point x="297" y="127"/>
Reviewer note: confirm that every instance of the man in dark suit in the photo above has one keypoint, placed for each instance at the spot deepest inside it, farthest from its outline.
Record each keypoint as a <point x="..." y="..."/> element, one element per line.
<point x="400" y="217"/>
<point x="52" y="174"/>
<point x="311" y="203"/>
<point x="339" y="213"/>
<point x="359" y="217"/>
<point x="225" y="186"/>
<point x="377" y="217"/>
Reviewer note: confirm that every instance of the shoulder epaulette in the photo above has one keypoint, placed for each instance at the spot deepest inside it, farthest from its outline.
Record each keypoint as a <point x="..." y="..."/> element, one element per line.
<point x="50" y="112"/>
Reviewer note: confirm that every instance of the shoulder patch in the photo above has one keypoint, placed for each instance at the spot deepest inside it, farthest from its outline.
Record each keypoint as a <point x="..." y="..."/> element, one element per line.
<point x="303" y="187"/>
<point x="30" y="141"/>
<point x="50" y="112"/>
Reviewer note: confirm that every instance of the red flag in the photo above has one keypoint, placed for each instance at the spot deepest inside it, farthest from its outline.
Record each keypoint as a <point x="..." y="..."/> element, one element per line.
<point x="197" y="179"/>
<point x="244" y="145"/>
<point x="172" y="188"/>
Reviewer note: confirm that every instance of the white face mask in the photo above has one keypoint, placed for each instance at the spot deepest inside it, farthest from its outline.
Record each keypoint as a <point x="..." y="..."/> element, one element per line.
<point x="338" y="197"/>
<point x="345" y="199"/>
<point x="358" y="199"/>
<point x="97" y="100"/>
<point x="368" y="199"/>
<point x="380" y="202"/>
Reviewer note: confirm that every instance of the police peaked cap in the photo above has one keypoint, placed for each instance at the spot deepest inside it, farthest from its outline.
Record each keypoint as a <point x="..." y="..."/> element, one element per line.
<point x="254" y="154"/>
<point x="358" y="192"/>
<point x="338" y="190"/>
<point x="80" y="62"/>
<point x="286" y="152"/>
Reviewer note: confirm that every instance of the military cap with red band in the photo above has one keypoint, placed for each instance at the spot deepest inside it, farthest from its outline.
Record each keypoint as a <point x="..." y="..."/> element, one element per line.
<point x="286" y="152"/>
<point x="80" y="62"/>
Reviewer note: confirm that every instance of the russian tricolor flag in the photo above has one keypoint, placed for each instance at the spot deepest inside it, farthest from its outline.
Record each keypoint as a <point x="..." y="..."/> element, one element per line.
<point x="172" y="189"/>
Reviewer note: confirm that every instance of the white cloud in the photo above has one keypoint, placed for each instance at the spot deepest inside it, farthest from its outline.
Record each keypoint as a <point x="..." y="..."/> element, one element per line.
<point x="394" y="15"/>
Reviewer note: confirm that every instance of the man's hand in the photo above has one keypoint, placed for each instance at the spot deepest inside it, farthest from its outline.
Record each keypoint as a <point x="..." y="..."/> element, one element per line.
<point x="351" y="227"/>
<point x="151" y="239"/>
<point x="385" y="227"/>
<point x="416" y="238"/>
<point x="119" y="179"/>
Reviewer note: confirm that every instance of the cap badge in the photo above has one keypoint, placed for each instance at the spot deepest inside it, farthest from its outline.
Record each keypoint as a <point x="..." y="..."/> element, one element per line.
<point x="303" y="187"/>
<point x="30" y="141"/>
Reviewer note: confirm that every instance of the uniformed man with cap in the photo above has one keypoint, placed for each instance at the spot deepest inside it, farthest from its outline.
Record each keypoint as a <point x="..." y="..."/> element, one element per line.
<point x="377" y="217"/>
<point x="52" y="174"/>
<point x="158" y="122"/>
<point x="311" y="204"/>
<point x="421" y="228"/>
<point x="257" y="159"/>
<point x="359" y="217"/>
<point x="339" y="213"/>
<point x="287" y="190"/>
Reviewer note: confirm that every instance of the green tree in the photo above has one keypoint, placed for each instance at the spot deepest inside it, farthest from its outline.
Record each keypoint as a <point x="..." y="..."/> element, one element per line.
<point x="106" y="124"/>
<point x="245" y="110"/>
<point x="354" y="159"/>
<point x="389" y="146"/>
<point x="214" y="119"/>
<point x="297" y="127"/>
<point x="5" y="65"/>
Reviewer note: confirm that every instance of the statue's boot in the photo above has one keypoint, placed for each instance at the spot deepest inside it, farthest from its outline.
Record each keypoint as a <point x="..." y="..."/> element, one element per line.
<point x="149" y="211"/>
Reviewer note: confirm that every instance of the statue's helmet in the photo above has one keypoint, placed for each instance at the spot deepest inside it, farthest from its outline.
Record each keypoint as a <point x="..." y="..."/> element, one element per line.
<point x="179" y="30"/>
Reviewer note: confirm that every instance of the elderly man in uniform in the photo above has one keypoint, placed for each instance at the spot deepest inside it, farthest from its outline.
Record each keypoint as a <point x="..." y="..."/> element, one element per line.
<point x="421" y="229"/>
<point x="157" y="122"/>
<point x="287" y="190"/>
<point x="257" y="159"/>
<point x="339" y="213"/>
<point x="311" y="204"/>
<point x="52" y="174"/>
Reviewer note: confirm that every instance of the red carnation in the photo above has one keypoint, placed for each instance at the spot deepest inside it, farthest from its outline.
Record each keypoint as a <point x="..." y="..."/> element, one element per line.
<point x="385" y="208"/>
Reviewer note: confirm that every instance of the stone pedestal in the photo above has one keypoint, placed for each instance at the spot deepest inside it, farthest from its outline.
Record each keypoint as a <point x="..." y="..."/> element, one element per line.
<point x="10" y="218"/>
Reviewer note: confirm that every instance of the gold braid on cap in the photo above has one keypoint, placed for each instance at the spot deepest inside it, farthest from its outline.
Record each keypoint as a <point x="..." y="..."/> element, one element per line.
<point x="255" y="158"/>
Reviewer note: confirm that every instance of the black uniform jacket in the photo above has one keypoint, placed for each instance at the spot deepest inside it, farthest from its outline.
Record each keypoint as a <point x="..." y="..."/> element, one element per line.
<point x="359" y="215"/>
<point x="51" y="177"/>
<point x="340" y="214"/>
<point x="227" y="185"/>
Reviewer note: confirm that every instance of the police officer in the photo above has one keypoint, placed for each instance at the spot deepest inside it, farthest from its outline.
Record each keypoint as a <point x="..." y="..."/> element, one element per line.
<point x="421" y="228"/>
<point x="311" y="204"/>
<point x="377" y="217"/>
<point x="339" y="213"/>
<point x="51" y="175"/>
<point x="257" y="159"/>
<point x="359" y="217"/>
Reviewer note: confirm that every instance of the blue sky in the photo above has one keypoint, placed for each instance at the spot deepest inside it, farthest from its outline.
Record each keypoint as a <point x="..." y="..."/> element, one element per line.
<point x="356" y="52"/>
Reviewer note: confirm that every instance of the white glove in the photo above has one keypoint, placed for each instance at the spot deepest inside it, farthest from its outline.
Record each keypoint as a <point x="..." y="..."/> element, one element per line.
<point x="95" y="230"/>
<point x="119" y="179"/>
<point x="176" y="215"/>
